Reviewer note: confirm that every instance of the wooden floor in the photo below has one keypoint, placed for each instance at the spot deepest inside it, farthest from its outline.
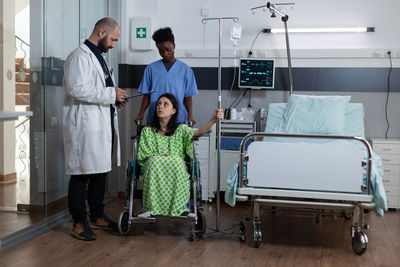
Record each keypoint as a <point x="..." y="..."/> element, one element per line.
<point x="287" y="241"/>
<point x="11" y="220"/>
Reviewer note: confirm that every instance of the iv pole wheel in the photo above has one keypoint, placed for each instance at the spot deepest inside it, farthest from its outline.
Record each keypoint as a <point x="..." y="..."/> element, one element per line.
<point x="242" y="234"/>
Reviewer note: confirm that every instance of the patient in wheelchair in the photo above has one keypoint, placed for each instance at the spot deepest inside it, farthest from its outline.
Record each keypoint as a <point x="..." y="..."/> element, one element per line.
<point x="162" y="149"/>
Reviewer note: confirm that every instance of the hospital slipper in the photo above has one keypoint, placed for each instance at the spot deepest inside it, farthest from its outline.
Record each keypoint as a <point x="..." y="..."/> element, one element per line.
<point x="144" y="215"/>
<point x="191" y="215"/>
<point x="188" y="214"/>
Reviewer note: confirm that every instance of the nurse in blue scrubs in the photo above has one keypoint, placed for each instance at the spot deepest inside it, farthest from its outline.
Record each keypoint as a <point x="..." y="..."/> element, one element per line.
<point x="168" y="75"/>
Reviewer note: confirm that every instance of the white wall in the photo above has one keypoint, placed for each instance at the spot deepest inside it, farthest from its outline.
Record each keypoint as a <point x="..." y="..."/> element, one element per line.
<point x="308" y="50"/>
<point x="313" y="49"/>
<point x="22" y="31"/>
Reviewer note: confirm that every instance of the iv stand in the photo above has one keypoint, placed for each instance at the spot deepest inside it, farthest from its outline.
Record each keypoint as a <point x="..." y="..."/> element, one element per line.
<point x="218" y="134"/>
<point x="284" y="18"/>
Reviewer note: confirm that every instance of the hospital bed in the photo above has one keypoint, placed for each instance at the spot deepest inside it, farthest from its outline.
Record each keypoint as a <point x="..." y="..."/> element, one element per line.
<point x="129" y="215"/>
<point x="318" y="175"/>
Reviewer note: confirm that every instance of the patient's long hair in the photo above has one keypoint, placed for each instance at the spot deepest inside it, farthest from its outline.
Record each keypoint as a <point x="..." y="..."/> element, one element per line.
<point x="173" y="121"/>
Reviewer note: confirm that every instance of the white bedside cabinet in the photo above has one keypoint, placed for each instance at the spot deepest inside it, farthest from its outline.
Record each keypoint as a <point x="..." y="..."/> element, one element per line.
<point x="389" y="150"/>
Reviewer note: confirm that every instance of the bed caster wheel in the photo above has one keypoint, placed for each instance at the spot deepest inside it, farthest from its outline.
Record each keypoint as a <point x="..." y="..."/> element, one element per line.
<point x="200" y="227"/>
<point x="242" y="235"/>
<point x="359" y="242"/>
<point x="124" y="225"/>
<point x="257" y="235"/>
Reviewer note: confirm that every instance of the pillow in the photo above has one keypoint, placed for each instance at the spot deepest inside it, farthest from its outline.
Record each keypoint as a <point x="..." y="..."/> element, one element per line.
<point x="354" y="124"/>
<point x="308" y="114"/>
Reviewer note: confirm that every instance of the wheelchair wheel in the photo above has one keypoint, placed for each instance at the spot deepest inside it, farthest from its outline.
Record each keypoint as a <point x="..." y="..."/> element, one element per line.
<point x="124" y="225"/>
<point x="201" y="223"/>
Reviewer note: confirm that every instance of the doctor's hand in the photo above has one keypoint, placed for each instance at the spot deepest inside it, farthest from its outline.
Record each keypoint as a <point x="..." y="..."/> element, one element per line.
<point x="121" y="104"/>
<point x="119" y="95"/>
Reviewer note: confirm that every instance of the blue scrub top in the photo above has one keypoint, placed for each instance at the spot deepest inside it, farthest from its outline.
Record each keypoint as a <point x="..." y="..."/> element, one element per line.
<point x="178" y="81"/>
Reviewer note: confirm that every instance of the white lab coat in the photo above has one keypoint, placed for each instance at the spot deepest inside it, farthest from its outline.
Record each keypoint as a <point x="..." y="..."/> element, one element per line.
<point x="86" y="115"/>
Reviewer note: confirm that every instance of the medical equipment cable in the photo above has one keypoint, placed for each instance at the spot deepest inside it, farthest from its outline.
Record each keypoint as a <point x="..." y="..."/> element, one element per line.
<point x="243" y="94"/>
<point x="249" y="105"/>
<point x="227" y="231"/>
<point x="387" y="94"/>
<point x="233" y="82"/>
<point x="251" y="47"/>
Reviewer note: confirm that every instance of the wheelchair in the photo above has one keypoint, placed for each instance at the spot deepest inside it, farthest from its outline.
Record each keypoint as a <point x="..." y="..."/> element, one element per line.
<point x="129" y="215"/>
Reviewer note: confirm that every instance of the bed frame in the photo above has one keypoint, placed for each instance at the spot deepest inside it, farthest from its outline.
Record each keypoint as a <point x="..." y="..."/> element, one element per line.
<point x="318" y="177"/>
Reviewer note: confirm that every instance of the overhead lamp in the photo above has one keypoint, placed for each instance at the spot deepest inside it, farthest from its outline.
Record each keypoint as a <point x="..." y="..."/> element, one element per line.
<point x="321" y="30"/>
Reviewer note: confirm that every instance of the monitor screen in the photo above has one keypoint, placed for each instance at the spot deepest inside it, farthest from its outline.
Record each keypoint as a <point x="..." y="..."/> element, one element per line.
<point x="256" y="73"/>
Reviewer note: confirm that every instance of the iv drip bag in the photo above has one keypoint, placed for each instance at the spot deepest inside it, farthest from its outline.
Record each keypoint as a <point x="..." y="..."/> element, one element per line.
<point x="236" y="33"/>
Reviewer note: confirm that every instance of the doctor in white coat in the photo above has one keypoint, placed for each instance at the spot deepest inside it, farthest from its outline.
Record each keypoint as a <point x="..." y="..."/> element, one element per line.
<point x="90" y="127"/>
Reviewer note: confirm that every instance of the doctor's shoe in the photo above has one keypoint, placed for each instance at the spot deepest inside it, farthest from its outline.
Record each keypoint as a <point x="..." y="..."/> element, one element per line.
<point x="83" y="231"/>
<point x="103" y="223"/>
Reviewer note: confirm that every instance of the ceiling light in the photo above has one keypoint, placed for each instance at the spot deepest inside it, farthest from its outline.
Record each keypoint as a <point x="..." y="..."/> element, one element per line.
<point x="322" y="30"/>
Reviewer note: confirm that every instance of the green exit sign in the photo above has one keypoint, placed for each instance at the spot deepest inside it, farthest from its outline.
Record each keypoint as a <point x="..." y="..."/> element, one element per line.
<point x="140" y="32"/>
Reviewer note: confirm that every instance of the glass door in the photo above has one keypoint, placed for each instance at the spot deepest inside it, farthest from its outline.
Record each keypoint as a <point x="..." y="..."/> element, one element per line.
<point x="65" y="24"/>
<point x="39" y="35"/>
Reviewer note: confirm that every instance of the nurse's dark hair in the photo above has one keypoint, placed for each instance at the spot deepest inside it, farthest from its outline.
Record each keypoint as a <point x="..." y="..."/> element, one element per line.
<point x="173" y="121"/>
<point x="108" y="23"/>
<point x="162" y="35"/>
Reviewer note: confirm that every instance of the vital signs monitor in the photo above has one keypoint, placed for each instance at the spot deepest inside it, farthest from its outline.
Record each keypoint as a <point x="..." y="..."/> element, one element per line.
<point x="256" y="73"/>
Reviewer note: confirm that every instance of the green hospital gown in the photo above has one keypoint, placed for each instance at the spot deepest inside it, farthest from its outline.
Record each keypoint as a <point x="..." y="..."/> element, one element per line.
<point x="165" y="179"/>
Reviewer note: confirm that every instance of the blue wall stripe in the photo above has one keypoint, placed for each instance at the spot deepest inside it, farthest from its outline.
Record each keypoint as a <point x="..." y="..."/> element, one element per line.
<point x="304" y="79"/>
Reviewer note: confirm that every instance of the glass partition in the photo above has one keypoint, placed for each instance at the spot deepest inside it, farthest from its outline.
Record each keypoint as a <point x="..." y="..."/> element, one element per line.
<point x="66" y="25"/>
<point x="34" y="43"/>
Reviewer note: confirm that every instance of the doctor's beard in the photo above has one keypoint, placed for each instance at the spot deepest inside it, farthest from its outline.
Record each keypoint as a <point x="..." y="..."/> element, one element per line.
<point x="102" y="45"/>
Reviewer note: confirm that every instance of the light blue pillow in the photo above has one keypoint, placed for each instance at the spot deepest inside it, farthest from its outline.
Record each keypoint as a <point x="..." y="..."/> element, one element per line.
<point x="354" y="124"/>
<point x="309" y="114"/>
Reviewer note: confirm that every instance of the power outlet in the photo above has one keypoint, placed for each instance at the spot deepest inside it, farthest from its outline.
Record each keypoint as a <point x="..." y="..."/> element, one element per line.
<point x="188" y="53"/>
<point x="260" y="53"/>
<point x="377" y="54"/>
<point x="205" y="12"/>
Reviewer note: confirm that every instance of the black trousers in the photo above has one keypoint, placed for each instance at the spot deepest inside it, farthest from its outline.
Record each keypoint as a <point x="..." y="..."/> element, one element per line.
<point x="96" y="186"/>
